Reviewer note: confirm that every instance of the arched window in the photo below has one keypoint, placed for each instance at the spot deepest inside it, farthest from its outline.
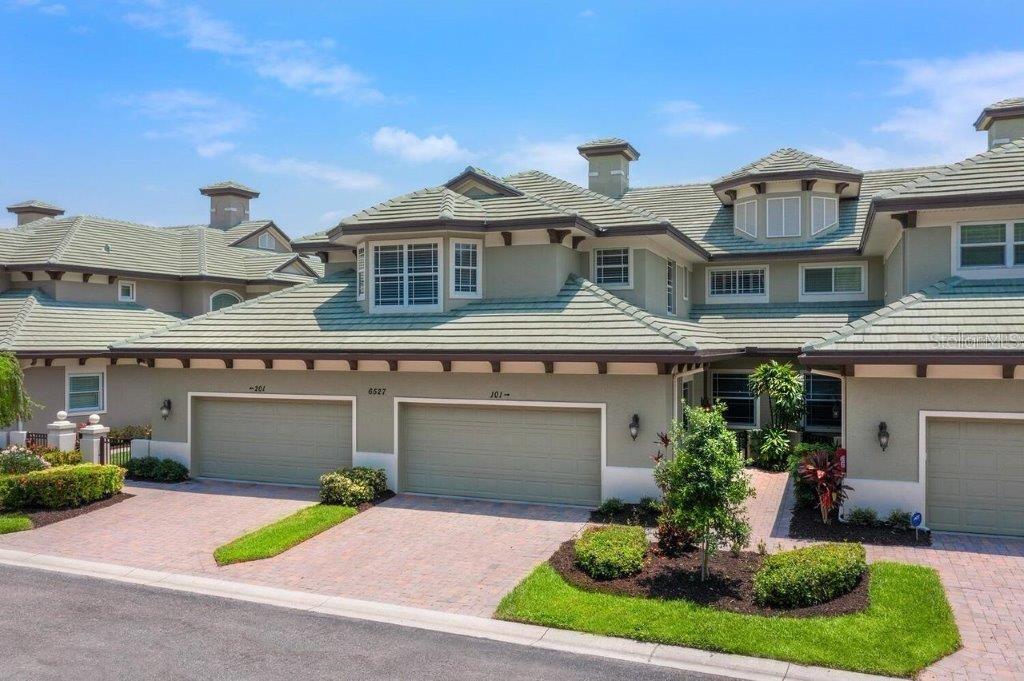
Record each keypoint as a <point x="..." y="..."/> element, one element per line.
<point x="223" y="298"/>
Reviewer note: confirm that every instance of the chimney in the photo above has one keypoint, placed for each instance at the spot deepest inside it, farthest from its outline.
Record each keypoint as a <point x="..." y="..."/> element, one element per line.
<point x="1003" y="121"/>
<point x="229" y="203"/>
<point x="29" y="211"/>
<point x="609" y="165"/>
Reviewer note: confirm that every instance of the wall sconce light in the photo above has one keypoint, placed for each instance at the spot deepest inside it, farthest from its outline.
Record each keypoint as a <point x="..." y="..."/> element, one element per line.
<point x="165" y="408"/>
<point x="634" y="426"/>
<point x="883" y="435"/>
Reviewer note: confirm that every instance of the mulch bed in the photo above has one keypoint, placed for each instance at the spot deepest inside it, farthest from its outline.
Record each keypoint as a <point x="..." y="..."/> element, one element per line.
<point x="729" y="587"/>
<point x="367" y="505"/>
<point x="805" y="523"/>
<point x="632" y="514"/>
<point x="50" y="516"/>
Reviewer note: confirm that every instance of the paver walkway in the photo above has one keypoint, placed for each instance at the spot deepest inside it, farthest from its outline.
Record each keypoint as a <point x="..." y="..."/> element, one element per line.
<point x="446" y="554"/>
<point x="983" y="576"/>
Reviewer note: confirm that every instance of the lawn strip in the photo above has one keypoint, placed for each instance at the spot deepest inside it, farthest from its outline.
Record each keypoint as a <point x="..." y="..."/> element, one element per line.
<point x="282" y="535"/>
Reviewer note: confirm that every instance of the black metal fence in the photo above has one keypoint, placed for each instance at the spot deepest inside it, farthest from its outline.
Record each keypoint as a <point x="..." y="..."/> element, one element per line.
<point x="116" y="451"/>
<point x="35" y="440"/>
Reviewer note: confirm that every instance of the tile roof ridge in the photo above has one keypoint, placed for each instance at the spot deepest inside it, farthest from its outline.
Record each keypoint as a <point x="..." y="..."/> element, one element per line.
<point x="381" y="205"/>
<point x="640" y="315"/>
<point x="679" y="185"/>
<point x="906" y="302"/>
<point x="65" y="240"/>
<point x="28" y="304"/>
<point x="201" y="251"/>
<point x="643" y="212"/>
<point x="951" y="168"/>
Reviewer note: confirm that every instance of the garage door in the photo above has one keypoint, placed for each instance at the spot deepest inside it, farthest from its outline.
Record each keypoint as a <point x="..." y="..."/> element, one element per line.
<point x="542" y="455"/>
<point x="976" y="476"/>
<point x="289" y="441"/>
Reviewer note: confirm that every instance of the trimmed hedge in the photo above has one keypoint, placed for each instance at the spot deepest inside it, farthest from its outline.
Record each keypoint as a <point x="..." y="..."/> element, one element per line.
<point x="353" y="486"/>
<point x="156" y="470"/>
<point x="60" y="486"/>
<point x="610" y="552"/>
<point x="809" y="576"/>
<point x="56" y="457"/>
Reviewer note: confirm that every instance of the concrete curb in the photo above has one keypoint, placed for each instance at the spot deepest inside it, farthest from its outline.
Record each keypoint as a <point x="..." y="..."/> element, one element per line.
<point x="733" y="666"/>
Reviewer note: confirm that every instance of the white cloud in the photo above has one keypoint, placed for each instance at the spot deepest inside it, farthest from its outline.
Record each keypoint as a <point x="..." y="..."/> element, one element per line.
<point x="409" y="146"/>
<point x="201" y="120"/>
<point x="861" y="156"/>
<point x="340" y="178"/>
<point x="297" y="64"/>
<point x="685" y="118"/>
<point x="557" y="157"/>
<point x="54" y="9"/>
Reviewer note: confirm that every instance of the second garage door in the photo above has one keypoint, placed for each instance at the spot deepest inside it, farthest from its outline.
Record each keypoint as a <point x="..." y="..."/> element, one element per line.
<point x="975" y="477"/>
<point x="522" y="454"/>
<point x="282" y="441"/>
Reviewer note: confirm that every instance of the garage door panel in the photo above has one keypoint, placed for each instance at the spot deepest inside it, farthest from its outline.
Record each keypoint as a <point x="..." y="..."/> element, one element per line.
<point x="502" y="453"/>
<point x="291" y="442"/>
<point x="975" y="475"/>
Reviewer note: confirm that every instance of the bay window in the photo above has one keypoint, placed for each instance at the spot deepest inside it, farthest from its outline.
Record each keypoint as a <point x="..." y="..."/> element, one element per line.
<point x="824" y="213"/>
<point x="784" y="216"/>
<point x="745" y="217"/>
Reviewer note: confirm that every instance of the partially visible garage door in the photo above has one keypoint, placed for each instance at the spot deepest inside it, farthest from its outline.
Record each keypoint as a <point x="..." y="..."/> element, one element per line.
<point x="283" y="441"/>
<point x="975" y="480"/>
<point x="522" y="454"/>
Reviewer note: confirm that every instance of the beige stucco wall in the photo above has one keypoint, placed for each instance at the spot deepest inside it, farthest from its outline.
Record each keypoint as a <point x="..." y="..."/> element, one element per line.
<point x="648" y="396"/>
<point x="784" y="277"/>
<point x="524" y="271"/>
<point x="195" y="296"/>
<point x="129" y="396"/>
<point x="1008" y="128"/>
<point x="895" y="285"/>
<point x="159" y="294"/>
<point x="45" y="385"/>
<point x="928" y="256"/>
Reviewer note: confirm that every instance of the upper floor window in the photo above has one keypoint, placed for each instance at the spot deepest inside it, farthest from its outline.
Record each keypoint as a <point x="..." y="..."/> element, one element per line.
<point x="686" y="283"/>
<point x="832" y="281"/>
<point x="670" y="287"/>
<point x="734" y="391"/>
<point x="739" y="283"/>
<point x="612" y="267"/>
<point x="465" y="268"/>
<point x="745" y="217"/>
<point x="824" y="213"/>
<point x="992" y="245"/>
<point x="361" y="272"/>
<point x="222" y="299"/>
<point x="126" y="291"/>
<point x="267" y="242"/>
<point x="784" y="216"/>
<point x="406" y="275"/>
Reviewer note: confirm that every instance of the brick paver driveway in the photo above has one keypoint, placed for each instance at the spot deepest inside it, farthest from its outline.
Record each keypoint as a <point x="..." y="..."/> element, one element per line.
<point x="983" y="576"/>
<point x="446" y="554"/>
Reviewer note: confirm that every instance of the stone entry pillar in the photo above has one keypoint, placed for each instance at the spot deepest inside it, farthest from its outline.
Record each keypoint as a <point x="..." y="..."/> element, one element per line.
<point x="91" y="435"/>
<point x="61" y="433"/>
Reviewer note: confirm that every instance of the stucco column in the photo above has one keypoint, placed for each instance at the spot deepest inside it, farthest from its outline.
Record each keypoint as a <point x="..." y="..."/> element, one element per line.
<point x="61" y="433"/>
<point x="91" y="435"/>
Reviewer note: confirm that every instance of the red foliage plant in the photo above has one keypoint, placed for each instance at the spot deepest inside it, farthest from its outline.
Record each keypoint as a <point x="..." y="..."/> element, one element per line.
<point x="824" y="470"/>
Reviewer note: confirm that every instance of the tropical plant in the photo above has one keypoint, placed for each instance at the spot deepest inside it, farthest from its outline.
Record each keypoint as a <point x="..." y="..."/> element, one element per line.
<point x="784" y="388"/>
<point x="15" y="404"/>
<point x="704" y="484"/>
<point x="824" y="471"/>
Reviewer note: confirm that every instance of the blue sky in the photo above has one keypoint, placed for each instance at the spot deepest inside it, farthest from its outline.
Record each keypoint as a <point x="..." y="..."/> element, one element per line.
<point x="124" y="109"/>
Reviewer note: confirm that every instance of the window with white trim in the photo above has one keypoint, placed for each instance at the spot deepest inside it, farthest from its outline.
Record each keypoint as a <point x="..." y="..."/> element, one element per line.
<point x="823" y="403"/>
<point x="406" y="276"/>
<point x="267" y="242"/>
<point x="361" y="272"/>
<point x="824" y="213"/>
<point x="686" y="283"/>
<point x="734" y="391"/>
<point x="784" y="216"/>
<point x="747" y="282"/>
<point x="465" y="264"/>
<point x="126" y="291"/>
<point x="832" y="281"/>
<point x="86" y="393"/>
<point x="991" y="245"/>
<point x="670" y="287"/>
<point x="745" y="217"/>
<point x="612" y="267"/>
<point x="222" y="299"/>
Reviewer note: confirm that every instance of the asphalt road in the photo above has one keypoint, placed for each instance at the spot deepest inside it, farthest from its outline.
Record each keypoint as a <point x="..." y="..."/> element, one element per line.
<point x="57" y="626"/>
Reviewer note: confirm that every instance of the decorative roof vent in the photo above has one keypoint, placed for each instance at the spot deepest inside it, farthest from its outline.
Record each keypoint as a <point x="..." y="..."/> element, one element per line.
<point x="1003" y="121"/>
<point x="609" y="159"/>
<point x="34" y="209"/>
<point x="229" y="203"/>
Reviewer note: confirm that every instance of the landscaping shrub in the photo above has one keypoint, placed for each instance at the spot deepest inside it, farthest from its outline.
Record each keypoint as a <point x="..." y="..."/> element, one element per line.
<point x="862" y="516"/>
<point x="155" y="469"/>
<point x="60" y="486"/>
<point x="353" y="486"/>
<point x="650" y="504"/>
<point x="56" y="457"/>
<point x="803" y="491"/>
<point x="899" y="519"/>
<point x="822" y="470"/>
<point x="613" y="551"/>
<point x="16" y="459"/>
<point x="808" y="576"/>
<point x="132" y="432"/>
<point x="611" y="506"/>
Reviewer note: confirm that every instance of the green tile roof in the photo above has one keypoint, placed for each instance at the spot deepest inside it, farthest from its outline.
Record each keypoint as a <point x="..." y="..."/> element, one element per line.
<point x="229" y="187"/>
<point x="324" y="316"/>
<point x="608" y="144"/>
<point x="785" y="161"/>
<point x="31" y="321"/>
<point x="775" y="326"/>
<point x="37" y="204"/>
<point x="1011" y="107"/>
<point x="596" y="208"/>
<point x="973" y="315"/>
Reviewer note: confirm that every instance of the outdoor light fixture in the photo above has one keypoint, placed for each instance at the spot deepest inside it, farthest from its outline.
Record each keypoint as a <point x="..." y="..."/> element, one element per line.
<point x="165" y="408"/>
<point x="634" y="426"/>
<point x="883" y="435"/>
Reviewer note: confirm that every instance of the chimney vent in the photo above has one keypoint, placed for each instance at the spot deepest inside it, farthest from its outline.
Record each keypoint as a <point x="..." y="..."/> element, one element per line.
<point x="30" y="211"/>
<point x="1003" y="121"/>
<point x="229" y="203"/>
<point x="609" y="160"/>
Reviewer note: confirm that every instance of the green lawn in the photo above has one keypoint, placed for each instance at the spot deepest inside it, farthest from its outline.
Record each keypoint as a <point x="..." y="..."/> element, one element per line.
<point x="280" y="536"/>
<point x="908" y="625"/>
<point x="14" y="522"/>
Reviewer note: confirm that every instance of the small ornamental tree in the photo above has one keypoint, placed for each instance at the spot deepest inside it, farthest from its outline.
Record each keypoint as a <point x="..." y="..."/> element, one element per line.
<point x="784" y="388"/>
<point x="15" y="404"/>
<point x="704" y="483"/>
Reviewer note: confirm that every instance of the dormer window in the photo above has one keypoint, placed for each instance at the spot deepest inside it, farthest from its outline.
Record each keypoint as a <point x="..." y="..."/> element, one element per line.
<point x="745" y="217"/>
<point x="824" y="213"/>
<point x="784" y="216"/>
<point x="126" y="291"/>
<point x="266" y="242"/>
<point x="406" y="276"/>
